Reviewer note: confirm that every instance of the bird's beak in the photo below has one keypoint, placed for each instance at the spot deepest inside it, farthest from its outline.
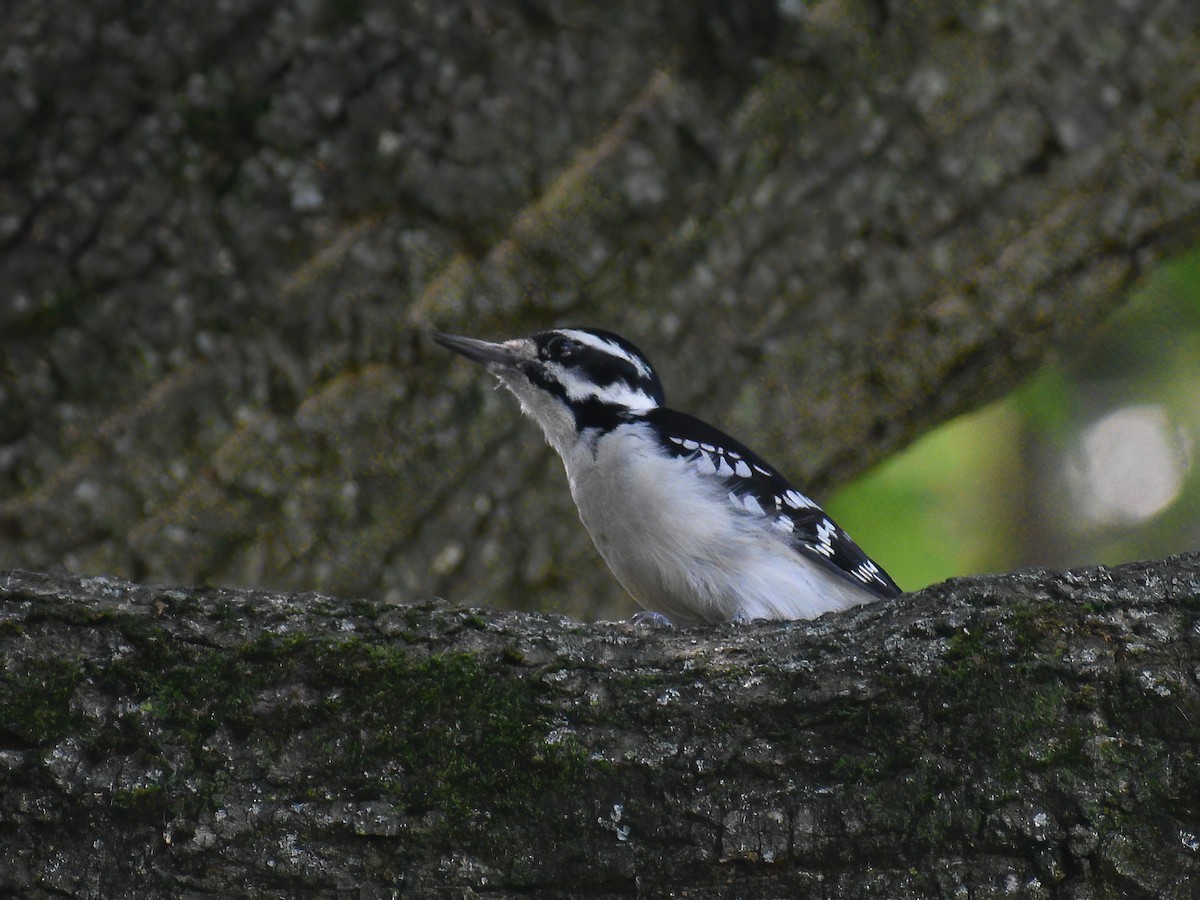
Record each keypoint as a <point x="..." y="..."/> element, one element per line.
<point x="485" y="352"/>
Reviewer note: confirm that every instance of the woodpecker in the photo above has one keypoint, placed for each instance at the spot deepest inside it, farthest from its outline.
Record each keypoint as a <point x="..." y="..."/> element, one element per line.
<point x="696" y="527"/>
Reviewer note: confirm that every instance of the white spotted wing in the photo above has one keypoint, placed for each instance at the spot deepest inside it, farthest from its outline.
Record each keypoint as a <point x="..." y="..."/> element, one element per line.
<point x="755" y="487"/>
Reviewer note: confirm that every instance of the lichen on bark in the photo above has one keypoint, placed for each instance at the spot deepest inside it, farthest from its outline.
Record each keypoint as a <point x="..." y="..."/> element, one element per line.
<point x="1029" y="734"/>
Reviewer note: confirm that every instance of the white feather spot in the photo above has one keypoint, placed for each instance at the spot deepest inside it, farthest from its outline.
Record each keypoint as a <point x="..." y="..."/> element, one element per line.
<point x="741" y="468"/>
<point x="705" y="464"/>
<point x="724" y="469"/>
<point x="867" y="572"/>
<point x="797" y="500"/>
<point x="689" y="444"/>
<point x="709" y="447"/>
<point x="761" y="471"/>
<point x="825" y="533"/>
<point x="783" y="523"/>
<point x="752" y="504"/>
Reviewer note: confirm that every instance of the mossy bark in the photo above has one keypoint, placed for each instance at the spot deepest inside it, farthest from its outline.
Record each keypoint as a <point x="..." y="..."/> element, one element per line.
<point x="1030" y="735"/>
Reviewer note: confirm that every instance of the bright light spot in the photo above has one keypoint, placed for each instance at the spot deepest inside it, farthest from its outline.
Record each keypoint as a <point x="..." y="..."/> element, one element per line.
<point x="1128" y="466"/>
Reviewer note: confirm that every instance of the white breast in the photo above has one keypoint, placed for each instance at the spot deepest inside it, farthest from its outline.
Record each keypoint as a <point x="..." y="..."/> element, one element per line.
<point x="679" y="547"/>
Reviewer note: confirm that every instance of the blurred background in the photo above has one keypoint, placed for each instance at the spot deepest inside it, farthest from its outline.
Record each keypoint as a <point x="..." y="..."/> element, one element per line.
<point x="1091" y="460"/>
<point x="889" y="245"/>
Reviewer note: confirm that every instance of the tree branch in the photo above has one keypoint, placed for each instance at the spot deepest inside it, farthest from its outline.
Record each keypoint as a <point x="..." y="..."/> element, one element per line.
<point x="1030" y="734"/>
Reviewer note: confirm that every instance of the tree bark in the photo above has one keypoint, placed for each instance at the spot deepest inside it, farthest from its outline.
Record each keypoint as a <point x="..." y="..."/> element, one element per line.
<point x="1028" y="735"/>
<point x="225" y="232"/>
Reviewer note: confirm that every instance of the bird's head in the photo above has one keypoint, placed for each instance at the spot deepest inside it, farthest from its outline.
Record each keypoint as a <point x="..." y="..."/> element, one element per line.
<point x="569" y="380"/>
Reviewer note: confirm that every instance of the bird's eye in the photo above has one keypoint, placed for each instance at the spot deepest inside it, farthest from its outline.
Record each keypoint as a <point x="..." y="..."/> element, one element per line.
<point x="559" y="347"/>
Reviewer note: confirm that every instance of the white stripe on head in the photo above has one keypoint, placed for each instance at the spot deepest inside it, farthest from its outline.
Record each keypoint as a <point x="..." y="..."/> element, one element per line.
<point x="617" y="394"/>
<point x="607" y="346"/>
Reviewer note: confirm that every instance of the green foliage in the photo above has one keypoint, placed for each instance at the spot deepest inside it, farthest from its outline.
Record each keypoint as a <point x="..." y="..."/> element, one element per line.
<point x="986" y="492"/>
<point x="940" y="507"/>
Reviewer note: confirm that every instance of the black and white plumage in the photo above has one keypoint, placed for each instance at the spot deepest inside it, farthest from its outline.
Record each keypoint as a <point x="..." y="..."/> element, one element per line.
<point x="692" y="523"/>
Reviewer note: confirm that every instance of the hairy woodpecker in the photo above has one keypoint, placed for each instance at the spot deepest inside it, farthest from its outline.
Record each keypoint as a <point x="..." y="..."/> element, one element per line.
<point x="694" y="525"/>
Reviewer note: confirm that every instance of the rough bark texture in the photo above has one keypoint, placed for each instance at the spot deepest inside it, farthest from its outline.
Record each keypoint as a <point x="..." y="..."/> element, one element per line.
<point x="1029" y="735"/>
<point x="225" y="230"/>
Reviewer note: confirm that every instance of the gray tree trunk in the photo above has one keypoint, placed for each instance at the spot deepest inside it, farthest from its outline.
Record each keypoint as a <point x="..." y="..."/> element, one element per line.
<point x="1029" y="735"/>
<point x="225" y="232"/>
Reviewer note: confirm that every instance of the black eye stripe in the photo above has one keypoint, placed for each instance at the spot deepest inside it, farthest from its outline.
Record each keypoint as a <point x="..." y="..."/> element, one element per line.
<point x="600" y="368"/>
<point x="604" y="369"/>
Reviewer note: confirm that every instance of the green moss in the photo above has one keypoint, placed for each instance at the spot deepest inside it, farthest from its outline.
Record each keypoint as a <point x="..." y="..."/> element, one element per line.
<point x="514" y="656"/>
<point x="858" y="769"/>
<point x="447" y="735"/>
<point x="447" y="732"/>
<point x="35" y="704"/>
<point x="1002" y="693"/>
<point x="187" y="689"/>
<point x="640" y="679"/>
<point x="998" y="717"/>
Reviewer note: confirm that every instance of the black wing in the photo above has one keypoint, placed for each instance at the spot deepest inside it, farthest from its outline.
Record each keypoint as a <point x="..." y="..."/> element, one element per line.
<point x="756" y="486"/>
